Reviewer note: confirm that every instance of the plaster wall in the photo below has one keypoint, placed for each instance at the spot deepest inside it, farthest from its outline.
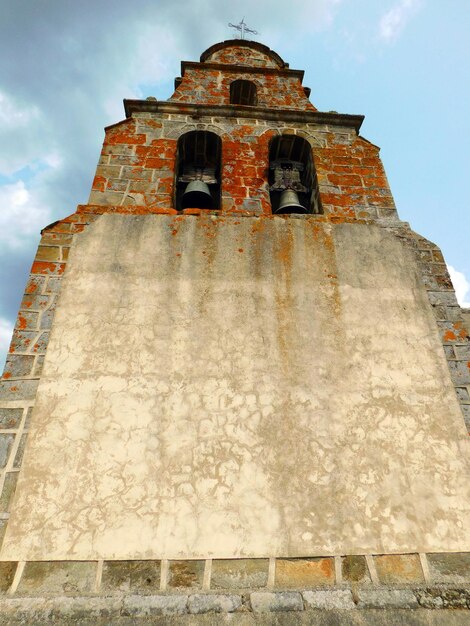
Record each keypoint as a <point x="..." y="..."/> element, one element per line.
<point x="224" y="387"/>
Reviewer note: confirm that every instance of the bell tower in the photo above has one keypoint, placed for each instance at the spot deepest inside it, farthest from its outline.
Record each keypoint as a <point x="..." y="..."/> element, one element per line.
<point x="238" y="381"/>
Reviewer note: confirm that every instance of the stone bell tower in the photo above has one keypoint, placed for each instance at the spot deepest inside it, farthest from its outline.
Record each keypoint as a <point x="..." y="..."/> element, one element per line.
<point x="236" y="370"/>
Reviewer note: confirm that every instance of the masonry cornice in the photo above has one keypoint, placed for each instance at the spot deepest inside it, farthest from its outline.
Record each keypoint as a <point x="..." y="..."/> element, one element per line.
<point x="247" y="69"/>
<point x="239" y="111"/>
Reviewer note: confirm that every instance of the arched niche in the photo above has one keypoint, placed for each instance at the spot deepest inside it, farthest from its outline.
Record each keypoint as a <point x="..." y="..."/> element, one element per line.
<point x="198" y="170"/>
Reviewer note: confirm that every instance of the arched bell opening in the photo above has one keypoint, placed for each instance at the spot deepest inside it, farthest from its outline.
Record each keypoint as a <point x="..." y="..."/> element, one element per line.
<point x="293" y="184"/>
<point x="198" y="171"/>
<point x="243" y="92"/>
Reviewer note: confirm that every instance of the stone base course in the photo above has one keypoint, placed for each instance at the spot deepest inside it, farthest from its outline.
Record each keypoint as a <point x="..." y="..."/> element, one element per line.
<point x="337" y="606"/>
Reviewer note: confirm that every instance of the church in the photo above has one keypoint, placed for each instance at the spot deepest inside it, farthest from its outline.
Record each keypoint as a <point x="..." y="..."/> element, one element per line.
<point x="239" y="384"/>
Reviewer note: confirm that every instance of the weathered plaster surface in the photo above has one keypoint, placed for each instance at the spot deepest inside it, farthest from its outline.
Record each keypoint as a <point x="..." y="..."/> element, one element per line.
<point x="223" y="387"/>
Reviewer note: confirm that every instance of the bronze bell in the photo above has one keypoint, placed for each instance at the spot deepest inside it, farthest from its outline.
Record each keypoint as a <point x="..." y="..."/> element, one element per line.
<point x="289" y="203"/>
<point x="197" y="196"/>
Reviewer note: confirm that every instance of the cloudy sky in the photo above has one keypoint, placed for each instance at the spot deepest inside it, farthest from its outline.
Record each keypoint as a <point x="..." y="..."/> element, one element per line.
<point x="67" y="65"/>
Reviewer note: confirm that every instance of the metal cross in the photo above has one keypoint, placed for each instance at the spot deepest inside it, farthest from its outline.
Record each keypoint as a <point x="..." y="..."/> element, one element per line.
<point x="243" y="28"/>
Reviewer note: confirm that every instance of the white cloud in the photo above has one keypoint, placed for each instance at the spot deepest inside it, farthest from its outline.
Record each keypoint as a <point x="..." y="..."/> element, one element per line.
<point x="6" y="330"/>
<point x="461" y="286"/>
<point x="13" y="115"/>
<point x="21" y="215"/>
<point x="393" y="21"/>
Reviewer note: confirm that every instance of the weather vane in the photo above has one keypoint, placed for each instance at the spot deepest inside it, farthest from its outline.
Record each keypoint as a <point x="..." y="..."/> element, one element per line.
<point x="243" y="28"/>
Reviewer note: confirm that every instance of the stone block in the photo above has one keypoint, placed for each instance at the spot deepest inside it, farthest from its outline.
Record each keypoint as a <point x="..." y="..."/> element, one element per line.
<point x="108" y="198"/>
<point x="27" y="421"/>
<point x="354" y="569"/>
<point x="442" y="598"/>
<point x="7" y="573"/>
<point x="329" y="599"/>
<point x="3" y="527"/>
<point x="116" y="184"/>
<point x="460" y="372"/>
<point x="462" y="352"/>
<point x="108" y="171"/>
<point x="52" y="577"/>
<point x="386" y="598"/>
<point x="10" y="418"/>
<point x="186" y="573"/>
<point x="27" y="320"/>
<point x="20" y="452"/>
<point x="137" y="173"/>
<point x="462" y="394"/>
<point x="18" y="389"/>
<point x="46" y="319"/>
<point x="59" y="239"/>
<point x="79" y="611"/>
<point x="140" y="606"/>
<point x="23" y="340"/>
<point x="37" y="371"/>
<point x="453" y="314"/>
<point x="301" y="573"/>
<point x="18" y="365"/>
<point x="449" y="568"/>
<point x="35" y="284"/>
<point x="37" y="302"/>
<point x="399" y="568"/>
<point x="53" y="284"/>
<point x="117" y="149"/>
<point x="6" y="442"/>
<point x="48" y="253"/>
<point x="239" y="573"/>
<point x="449" y="352"/>
<point x="41" y="343"/>
<point x="125" y="576"/>
<point x="215" y="603"/>
<point x="9" y="487"/>
<point x="265" y="601"/>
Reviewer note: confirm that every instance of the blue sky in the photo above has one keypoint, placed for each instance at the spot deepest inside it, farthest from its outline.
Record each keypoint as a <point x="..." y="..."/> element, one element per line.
<point x="67" y="66"/>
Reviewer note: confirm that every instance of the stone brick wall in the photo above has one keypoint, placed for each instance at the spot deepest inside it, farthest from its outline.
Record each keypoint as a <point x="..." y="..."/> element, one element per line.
<point x="72" y="590"/>
<point x="28" y="347"/>
<point x="137" y="166"/>
<point x="276" y="90"/>
<point x="450" y="317"/>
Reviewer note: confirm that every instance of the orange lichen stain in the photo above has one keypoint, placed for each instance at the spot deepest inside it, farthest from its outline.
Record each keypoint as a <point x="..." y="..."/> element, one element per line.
<point x="13" y="389"/>
<point x="258" y="226"/>
<point x="327" y="567"/>
<point x="43" y="267"/>
<point x="178" y="254"/>
<point x="240" y="249"/>
<point x="7" y="375"/>
<point x="31" y="288"/>
<point x="174" y="231"/>
<point x="449" y="336"/>
<point x="22" y="323"/>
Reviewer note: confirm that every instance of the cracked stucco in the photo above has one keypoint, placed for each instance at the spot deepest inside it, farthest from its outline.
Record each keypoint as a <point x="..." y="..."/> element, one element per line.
<point x="223" y="387"/>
